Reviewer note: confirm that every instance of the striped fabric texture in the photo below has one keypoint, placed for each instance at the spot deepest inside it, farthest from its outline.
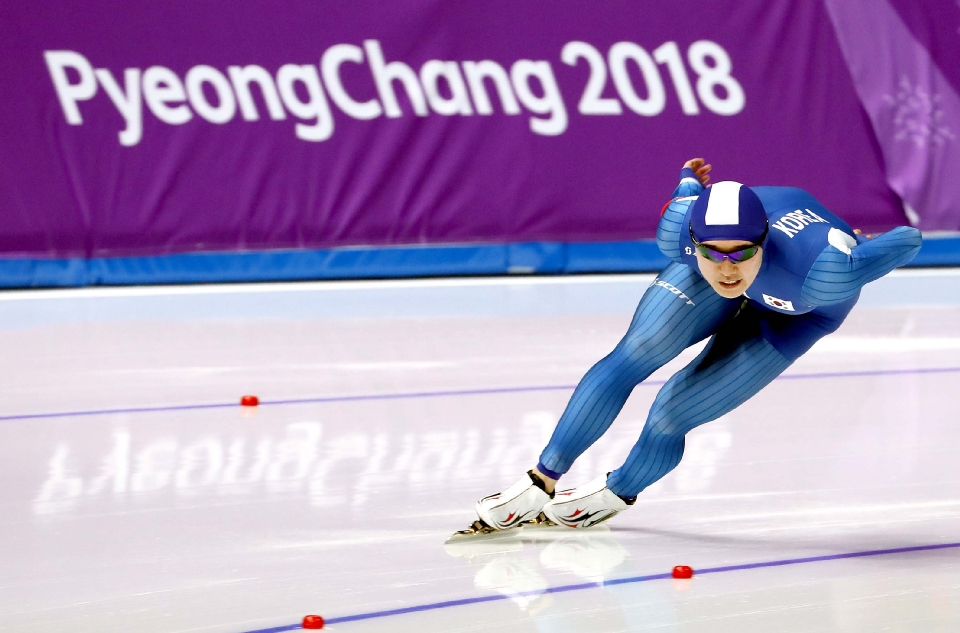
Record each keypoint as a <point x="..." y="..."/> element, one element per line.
<point x="751" y="346"/>
<point x="678" y="310"/>
<point x="837" y="276"/>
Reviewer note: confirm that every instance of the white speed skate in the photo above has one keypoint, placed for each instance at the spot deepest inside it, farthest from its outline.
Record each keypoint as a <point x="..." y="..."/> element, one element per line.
<point x="585" y="506"/>
<point x="521" y="502"/>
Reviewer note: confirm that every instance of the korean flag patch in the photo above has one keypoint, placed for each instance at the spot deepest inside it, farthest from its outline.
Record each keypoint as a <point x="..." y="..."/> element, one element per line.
<point x="780" y="304"/>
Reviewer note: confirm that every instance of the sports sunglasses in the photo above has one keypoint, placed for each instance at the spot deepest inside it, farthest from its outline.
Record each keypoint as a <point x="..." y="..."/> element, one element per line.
<point x="737" y="257"/>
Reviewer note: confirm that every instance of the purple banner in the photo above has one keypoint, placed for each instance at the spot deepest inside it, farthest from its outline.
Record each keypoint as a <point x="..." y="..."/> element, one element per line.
<point x="912" y="98"/>
<point x="152" y="128"/>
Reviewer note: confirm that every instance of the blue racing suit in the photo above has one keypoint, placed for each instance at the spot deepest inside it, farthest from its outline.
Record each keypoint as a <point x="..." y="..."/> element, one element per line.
<point x="810" y="277"/>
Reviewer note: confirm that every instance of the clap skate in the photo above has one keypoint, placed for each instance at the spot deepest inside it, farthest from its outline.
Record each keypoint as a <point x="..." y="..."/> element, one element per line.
<point x="585" y="506"/>
<point x="505" y="511"/>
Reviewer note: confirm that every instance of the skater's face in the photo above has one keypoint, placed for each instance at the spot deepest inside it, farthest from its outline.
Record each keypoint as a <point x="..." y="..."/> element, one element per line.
<point x="730" y="279"/>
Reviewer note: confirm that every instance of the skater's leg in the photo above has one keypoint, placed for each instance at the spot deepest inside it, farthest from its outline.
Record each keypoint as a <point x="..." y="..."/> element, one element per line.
<point x="744" y="357"/>
<point x="677" y="310"/>
<point x="699" y="393"/>
<point x="736" y="363"/>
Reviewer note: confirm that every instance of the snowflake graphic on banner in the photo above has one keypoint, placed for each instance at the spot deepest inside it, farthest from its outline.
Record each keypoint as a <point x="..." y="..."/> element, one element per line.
<point x="917" y="115"/>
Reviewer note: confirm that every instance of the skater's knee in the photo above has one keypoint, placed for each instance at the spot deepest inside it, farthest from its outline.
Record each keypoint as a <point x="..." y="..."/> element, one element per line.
<point x="665" y="430"/>
<point x="646" y="348"/>
<point x="665" y="424"/>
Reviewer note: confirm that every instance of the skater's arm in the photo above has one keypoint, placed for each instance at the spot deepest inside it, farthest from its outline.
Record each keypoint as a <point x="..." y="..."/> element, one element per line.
<point x="671" y="223"/>
<point x="841" y="271"/>
<point x="693" y="177"/>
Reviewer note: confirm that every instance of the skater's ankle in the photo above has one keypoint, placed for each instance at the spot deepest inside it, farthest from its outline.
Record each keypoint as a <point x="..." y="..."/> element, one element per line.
<point x="629" y="500"/>
<point x="543" y="482"/>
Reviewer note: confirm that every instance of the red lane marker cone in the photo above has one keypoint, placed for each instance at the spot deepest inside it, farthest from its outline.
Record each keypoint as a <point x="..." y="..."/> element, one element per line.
<point x="682" y="571"/>
<point x="249" y="401"/>
<point x="312" y="622"/>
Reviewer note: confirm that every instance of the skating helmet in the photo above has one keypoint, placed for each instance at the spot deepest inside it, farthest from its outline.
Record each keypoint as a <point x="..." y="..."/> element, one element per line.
<point x="728" y="211"/>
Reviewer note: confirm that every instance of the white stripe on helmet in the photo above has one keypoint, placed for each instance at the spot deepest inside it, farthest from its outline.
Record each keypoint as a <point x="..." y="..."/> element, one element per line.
<point x="723" y="207"/>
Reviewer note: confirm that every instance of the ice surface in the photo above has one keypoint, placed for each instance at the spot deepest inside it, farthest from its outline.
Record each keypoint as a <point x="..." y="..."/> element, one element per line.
<point x="415" y="399"/>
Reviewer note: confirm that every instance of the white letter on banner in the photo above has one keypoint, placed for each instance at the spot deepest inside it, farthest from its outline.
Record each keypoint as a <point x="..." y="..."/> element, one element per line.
<point x="476" y="72"/>
<point x="161" y="86"/>
<point x="127" y="101"/>
<point x="656" y="94"/>
<point x="69" y="93"/>
<point x="550" y="103"/>
<point x="592" y="102"/>
<point x="242" y="78"/>
<point x="317" y="107"/>
<point x="459" y="101"/>
<point x="385" y="74"/>
<point x="226" y="103"/>
<point x="330" y="63"/>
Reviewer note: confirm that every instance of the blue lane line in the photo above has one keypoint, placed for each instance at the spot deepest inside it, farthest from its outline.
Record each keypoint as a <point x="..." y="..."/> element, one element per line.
<point x="77" y="414"/>
<point x="264" y="403"/>
<point x="609" y="583"/>
<point x="439" y="394"/>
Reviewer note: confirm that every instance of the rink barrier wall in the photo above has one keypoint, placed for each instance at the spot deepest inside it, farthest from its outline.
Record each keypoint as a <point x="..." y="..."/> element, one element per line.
<point x="542" y="258"/>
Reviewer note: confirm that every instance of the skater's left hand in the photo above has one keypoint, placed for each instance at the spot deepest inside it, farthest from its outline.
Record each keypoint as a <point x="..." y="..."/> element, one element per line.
<point x="859" y="232"/>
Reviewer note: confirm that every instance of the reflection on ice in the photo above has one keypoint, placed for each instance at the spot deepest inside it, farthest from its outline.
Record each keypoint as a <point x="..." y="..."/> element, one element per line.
<point x="516" y="564"/>
<point x="590" y="554"/>
<point x="331" y="465"/>
<point x="345" y="468"/>
<point x="516" y="578"/>
<point x="190" y="469"/>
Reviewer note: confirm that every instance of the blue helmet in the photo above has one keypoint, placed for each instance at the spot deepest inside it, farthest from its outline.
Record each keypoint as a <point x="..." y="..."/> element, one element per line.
<point x="728" y="211"/>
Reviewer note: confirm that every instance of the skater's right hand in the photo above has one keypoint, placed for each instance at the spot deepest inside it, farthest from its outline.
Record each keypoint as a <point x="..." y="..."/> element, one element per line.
<point x="699" y="168"/>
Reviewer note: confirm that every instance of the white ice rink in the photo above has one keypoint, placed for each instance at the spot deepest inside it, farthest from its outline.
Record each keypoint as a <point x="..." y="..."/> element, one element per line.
<point x="137" y="495"/>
